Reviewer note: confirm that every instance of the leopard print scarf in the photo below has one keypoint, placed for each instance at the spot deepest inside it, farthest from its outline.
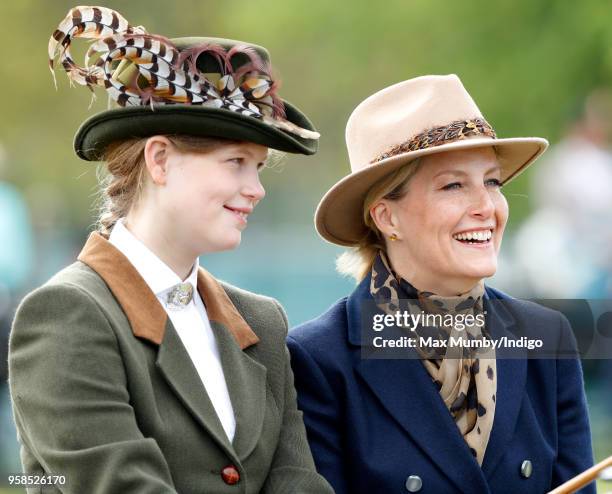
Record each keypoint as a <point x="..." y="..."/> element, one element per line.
<point x="466" y="380"/>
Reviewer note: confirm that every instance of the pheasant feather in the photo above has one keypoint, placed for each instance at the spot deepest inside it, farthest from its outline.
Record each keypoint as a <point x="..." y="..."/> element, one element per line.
<point x="137" y="68"/>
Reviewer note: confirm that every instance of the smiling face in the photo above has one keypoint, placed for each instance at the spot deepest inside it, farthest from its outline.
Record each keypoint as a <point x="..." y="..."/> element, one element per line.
<point x="201" y="200"/>
<point x="449" y="223"/>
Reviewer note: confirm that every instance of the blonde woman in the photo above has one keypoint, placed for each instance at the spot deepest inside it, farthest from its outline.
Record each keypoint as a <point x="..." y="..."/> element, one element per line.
<point x="134" y="370"/>
<point x="425" y="215"/>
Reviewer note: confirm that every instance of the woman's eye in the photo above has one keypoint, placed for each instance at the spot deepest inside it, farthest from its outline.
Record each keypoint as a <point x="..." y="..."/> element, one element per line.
<point x="238" y="161"/>
<point x="454" y="185"/>
<point x="494" y="182"/>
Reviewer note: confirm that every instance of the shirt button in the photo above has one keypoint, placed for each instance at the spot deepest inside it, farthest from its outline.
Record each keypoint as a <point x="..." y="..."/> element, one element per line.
<point x="230" y="475"/>
<point x="414" y="483"/>
<point x="526" y="469"/>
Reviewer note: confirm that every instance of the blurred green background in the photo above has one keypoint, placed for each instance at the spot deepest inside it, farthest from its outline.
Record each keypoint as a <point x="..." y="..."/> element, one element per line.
<point x="528" y="64"/>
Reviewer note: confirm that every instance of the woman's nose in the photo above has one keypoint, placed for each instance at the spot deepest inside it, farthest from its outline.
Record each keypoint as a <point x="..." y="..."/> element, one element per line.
<point x="253" y="189"/>
<point x="482" y="205"/>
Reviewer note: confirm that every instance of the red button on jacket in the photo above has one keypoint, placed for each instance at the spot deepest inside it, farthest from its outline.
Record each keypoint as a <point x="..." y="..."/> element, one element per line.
<point x="230" y="475"/>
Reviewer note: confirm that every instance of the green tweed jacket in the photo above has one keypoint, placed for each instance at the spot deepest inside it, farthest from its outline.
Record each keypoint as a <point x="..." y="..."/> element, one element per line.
<point x="105" y="394"/>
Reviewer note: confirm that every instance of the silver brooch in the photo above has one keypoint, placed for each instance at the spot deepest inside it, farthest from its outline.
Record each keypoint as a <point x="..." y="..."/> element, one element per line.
<point x="179" y="296"/>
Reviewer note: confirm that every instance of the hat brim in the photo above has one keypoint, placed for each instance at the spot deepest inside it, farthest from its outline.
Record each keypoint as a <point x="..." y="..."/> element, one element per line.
<point x="339" y="216"/>
<point x="104" y="128"/>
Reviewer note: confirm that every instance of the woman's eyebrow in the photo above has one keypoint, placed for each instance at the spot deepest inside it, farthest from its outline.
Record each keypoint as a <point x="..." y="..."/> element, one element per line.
<point x="493" y="168"/>
<point x="450" y="172"/>
<point x="236" y="148"/>
<point x="249" y="153"/>
<point x="246" y="151"/>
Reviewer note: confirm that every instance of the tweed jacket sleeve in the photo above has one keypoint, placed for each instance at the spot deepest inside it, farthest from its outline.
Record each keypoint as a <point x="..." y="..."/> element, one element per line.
<point x="76" y="417"/>
<point x="293" y="469"/>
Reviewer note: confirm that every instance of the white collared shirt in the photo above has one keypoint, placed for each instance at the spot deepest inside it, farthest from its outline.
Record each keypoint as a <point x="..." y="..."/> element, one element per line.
<point x="191" y="322"/>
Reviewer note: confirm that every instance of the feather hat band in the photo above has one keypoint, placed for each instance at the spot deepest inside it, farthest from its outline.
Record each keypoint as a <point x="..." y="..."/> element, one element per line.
<point x="197" y="86"/>
<point x="415" y="118"/>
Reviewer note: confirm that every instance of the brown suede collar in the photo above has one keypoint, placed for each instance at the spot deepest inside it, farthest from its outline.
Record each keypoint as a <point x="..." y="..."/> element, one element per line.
<point x="142" y="308"/>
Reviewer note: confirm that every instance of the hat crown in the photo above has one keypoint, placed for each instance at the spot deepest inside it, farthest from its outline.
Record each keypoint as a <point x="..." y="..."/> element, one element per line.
<point x="207" y="63"/>
<point x="400" y="112"/>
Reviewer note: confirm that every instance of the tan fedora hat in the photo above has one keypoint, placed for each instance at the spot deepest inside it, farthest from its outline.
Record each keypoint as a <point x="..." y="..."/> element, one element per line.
<point x="418" y="117"/>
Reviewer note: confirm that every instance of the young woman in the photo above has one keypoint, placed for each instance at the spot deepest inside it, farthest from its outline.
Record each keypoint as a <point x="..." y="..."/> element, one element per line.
<point x="133" y="369"/>
<point x="425" y="215"/>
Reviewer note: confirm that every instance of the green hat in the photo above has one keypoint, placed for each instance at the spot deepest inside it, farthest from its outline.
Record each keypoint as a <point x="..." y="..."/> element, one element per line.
<point x="192" y="86"/>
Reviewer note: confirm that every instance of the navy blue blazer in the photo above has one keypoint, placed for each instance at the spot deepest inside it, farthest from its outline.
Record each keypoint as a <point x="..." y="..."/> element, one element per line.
<point x="373" y="423"/>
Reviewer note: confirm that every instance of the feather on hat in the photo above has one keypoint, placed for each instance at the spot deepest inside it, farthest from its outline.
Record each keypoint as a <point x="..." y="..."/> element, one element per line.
<point x="204" y="80"/>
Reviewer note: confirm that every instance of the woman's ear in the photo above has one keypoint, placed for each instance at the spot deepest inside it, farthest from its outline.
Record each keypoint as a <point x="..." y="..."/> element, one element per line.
<point x="384" y="217"/>
<point x="157" y="152"/>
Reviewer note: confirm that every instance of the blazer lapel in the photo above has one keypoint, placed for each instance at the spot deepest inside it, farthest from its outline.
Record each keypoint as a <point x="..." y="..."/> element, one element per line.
<point x="511" y="376"/>
<point x="245" y="378"/>
<point x="176" y="366"/>
<point x="405" y="390"/>
<point x="246" y="383"/>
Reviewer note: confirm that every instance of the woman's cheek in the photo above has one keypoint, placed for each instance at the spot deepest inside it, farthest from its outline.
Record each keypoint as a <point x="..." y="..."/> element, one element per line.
<point x="501" y="209"/>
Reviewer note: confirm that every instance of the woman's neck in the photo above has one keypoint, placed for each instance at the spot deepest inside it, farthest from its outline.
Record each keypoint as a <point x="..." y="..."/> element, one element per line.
<point x="151" y="232"/>
<point x="446" y="286"/>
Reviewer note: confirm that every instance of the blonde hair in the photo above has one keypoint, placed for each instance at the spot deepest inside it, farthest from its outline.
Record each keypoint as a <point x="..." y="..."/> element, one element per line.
<point x="125" y="174"/>
<point x="357" y="261"/>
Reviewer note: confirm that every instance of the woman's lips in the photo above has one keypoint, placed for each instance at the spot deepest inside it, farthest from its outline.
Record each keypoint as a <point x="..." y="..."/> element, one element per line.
<point x="240" y="213"/>
<point x="479" y="238"/>
<point x="476" y="245"/>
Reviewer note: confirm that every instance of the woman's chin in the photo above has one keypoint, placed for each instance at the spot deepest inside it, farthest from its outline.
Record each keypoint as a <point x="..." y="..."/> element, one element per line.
<point x="229" y="242"/>
<point x="480" y="271"/>
<point x="232" y="243"/>
<point x="475" y="268"/>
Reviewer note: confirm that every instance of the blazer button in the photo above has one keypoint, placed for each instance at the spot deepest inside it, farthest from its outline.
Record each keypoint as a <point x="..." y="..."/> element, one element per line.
<point x="230" y="475"/>
<point x="526" y="469"/>
<point x="414" y="483"/>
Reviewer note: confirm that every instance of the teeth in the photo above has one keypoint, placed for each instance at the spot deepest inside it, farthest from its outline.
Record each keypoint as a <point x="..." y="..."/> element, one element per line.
<point x="242" y="214"/>
<point x="480" y="235"/>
